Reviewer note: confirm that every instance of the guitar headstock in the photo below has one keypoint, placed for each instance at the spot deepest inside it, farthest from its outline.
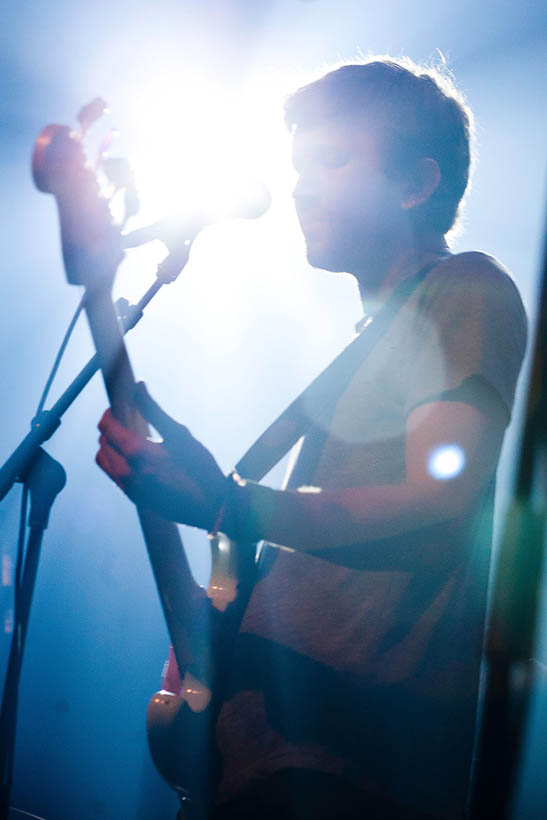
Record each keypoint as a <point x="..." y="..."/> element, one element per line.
<point x="91" y="243"/>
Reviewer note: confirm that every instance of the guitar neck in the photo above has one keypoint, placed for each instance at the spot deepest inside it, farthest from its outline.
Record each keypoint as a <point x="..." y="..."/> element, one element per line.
<point x="180" y="596"/>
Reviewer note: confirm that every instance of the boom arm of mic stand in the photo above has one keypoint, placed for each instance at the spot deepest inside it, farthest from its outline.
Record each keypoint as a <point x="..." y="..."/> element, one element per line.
<point x="16" y="467"/>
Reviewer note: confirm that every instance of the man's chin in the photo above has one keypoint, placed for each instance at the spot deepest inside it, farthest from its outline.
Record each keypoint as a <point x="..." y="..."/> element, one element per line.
<point x="320" y="258"/>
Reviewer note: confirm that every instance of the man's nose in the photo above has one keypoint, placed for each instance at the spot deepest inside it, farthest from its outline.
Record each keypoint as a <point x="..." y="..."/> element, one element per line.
<point x="306" y="190"/>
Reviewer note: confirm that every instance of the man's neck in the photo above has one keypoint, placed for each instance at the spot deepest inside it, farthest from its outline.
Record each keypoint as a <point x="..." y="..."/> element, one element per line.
<point x="399" y="263"/>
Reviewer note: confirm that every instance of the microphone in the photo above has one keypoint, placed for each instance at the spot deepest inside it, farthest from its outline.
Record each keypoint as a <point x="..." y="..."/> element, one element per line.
<point x="173" y="231"/>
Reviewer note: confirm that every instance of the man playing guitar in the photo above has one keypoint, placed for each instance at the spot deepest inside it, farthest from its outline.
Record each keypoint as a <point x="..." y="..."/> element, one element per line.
<point x="354" y="681"/>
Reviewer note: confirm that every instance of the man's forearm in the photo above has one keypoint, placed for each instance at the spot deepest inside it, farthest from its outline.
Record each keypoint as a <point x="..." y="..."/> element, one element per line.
<point x="319" y="520"/>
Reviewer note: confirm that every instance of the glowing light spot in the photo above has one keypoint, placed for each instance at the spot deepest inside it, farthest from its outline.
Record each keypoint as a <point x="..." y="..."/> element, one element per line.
<point x="7" y="571"/>
<point x="446" y="461"/>
<point x="206" y="153"/>
<point x="200" y="147"/>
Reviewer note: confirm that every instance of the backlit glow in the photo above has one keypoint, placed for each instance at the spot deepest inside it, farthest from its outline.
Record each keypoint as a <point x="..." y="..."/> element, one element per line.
<point x="201" y="145"/>
<point x="446" y="461"/>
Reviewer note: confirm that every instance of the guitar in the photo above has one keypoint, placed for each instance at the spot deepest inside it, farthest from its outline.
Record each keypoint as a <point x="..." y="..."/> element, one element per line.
<point x="201" y="623"/>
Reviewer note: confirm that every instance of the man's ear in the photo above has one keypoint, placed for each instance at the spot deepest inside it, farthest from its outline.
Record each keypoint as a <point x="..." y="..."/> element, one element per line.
<point x="421" y="183"/>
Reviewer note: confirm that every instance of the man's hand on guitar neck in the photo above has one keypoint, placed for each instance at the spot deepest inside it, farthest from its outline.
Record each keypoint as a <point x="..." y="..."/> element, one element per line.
<point x="178" y="478"/>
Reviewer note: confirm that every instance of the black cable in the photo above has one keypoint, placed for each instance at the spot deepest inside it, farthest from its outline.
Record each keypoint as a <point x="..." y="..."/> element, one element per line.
<point x="21" y="568"/>
<point x="59" y="356"/>
<point x="24" y="496"/>
<point x="20" y="543"/>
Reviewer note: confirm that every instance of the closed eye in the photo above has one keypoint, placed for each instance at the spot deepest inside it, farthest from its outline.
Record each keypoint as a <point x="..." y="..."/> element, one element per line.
<point x="332" y="156"/>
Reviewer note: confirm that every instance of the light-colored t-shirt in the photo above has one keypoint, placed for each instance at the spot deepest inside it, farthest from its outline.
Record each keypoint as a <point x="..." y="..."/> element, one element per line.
<point x="371" y="671"/>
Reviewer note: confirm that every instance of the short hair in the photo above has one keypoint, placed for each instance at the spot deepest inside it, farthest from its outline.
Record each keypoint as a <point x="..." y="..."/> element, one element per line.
<point x="420" y="111"/>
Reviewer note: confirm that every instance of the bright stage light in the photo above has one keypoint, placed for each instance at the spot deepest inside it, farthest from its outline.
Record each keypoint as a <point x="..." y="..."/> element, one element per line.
<point x="202" y="148"/>
<point x="199" y="147"/>
<point x="446" y="462"/>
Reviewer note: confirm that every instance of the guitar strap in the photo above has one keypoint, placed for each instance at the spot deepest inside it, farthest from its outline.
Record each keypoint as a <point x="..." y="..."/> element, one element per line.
<point x="295" y="422"/>
<point x="324" y="391"/>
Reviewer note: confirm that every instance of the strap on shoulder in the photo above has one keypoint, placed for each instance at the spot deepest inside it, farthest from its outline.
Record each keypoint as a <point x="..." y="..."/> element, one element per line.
<point x="325" y="389"/>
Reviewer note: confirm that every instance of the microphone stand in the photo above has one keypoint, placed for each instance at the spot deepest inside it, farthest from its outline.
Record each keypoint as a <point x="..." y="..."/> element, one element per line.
<point x="45" y="478"/>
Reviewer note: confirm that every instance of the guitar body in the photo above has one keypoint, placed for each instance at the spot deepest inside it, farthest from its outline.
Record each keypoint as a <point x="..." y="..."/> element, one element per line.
<point x="181" y="725"/>
<point x="182" y="747"/>
<point x="202" y="623"/>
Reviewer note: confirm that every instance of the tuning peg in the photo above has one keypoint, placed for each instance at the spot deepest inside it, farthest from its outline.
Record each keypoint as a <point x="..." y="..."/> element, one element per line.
<point x="91" y="112"/>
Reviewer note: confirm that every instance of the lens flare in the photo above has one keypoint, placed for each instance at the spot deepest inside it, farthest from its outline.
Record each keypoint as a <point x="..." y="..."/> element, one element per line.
<point x="446" y="462"/>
